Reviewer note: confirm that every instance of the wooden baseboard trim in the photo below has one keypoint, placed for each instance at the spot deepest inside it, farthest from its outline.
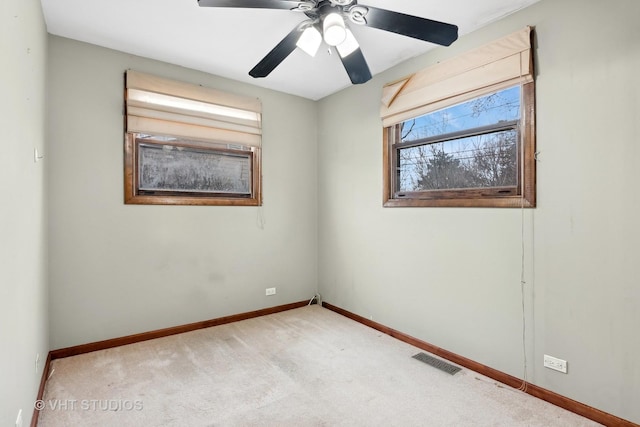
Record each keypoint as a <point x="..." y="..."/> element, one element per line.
<point x="159" y="333"/>
<point x="43" y="381"/>
<point x="532" y="389"/>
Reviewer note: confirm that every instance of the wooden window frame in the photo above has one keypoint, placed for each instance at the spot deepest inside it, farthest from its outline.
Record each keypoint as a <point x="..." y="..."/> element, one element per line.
<point x="170" y="112"/>
<point x="523" y="196"/>
<point x="134" y="195"/>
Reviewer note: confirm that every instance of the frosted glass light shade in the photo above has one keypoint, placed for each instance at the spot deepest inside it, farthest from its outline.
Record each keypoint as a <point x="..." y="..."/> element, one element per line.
<point x="310" y="41"/>
<point x="348" y="46"/>
<point x="334" y="29"/>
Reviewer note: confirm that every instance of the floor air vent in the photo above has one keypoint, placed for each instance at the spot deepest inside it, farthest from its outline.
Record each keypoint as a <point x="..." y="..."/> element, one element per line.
<point x="437" y="363"/>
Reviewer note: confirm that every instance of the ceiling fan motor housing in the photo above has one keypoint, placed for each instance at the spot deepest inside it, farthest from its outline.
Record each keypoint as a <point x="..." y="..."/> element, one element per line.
<point x="342" y="2"/>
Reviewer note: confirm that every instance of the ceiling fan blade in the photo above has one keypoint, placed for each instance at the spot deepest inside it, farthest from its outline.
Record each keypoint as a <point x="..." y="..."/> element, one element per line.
<point x="277" y="54"/>
<point x="356" y="67"/>
<point x="260" y="4"/>
<point x="411" y="26"/>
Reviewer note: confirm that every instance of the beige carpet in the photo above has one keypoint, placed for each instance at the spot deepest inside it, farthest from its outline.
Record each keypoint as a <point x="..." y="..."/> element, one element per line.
<point x="304" y="367"/>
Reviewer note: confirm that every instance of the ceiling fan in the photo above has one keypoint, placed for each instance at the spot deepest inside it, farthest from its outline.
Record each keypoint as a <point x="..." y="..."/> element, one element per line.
<point x="327" y="20"/>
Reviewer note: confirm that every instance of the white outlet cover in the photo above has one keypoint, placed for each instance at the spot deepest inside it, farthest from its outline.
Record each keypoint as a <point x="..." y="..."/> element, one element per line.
<point x="555" y="363"/>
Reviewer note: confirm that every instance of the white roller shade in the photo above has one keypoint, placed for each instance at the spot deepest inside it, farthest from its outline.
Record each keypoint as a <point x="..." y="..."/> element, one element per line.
<point x="165" y="107"/>
<point x="491" y="67"/>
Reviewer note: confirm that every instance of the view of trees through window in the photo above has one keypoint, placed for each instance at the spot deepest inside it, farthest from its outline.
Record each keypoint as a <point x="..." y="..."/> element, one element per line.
<point x="469" y="145"/>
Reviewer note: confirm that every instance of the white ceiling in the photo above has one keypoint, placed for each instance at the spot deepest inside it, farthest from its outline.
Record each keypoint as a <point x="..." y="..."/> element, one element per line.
<point x="228" y="42"/>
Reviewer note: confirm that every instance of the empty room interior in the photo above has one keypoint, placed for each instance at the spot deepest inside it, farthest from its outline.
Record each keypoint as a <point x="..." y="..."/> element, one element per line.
<point x="342" y="254"/>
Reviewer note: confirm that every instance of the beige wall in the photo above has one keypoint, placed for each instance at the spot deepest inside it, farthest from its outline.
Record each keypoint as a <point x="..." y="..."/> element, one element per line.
<point x="23" y="293"/>
<point x="452" y="276"/>
<point x="121" y="269"/>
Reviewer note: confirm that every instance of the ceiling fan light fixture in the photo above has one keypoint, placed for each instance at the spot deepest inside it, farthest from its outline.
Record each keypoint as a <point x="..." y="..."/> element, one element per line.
<point x="348" y="46"/>
<point x="333" y="29"/>
<point x="310" y="40"/>
<point x="329" y="19"/>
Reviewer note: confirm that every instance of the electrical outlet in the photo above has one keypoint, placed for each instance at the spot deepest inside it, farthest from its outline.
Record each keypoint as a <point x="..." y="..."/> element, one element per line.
<point x="270" y="291"/>
<point x="37" y="362"/>
<point x="555" y="364"/>
<point x="19" y="419"/>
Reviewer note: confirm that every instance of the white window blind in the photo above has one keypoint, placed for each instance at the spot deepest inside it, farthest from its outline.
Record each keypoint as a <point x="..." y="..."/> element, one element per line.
<point x="491" y="67"/>
<point x="160" y="106"/>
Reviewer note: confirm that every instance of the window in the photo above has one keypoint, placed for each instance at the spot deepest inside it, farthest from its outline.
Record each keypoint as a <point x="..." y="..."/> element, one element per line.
<point x="472" y="142"/>
<point x="189" y="145"/>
